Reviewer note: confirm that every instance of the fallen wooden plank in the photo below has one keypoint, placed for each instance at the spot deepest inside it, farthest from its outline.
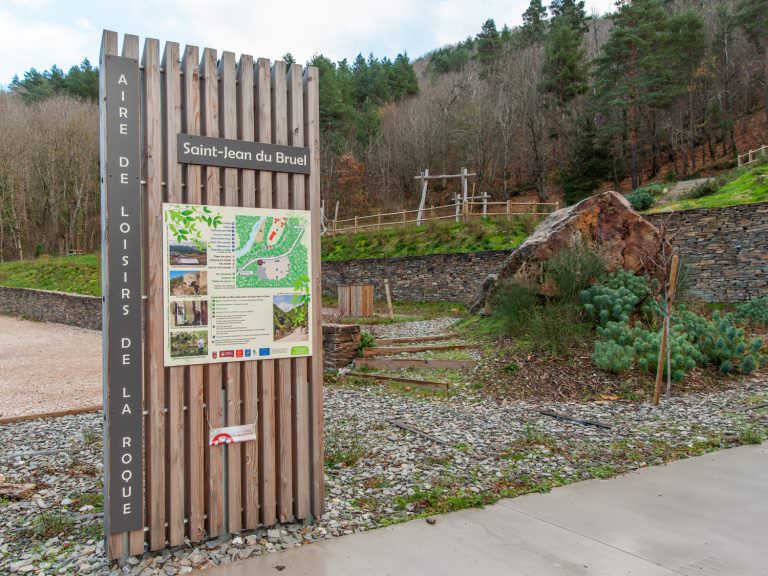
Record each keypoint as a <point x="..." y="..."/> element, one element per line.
<point x="571" y="419"/>
<point x="391" y="351"/>
<point x="53" y="414"/>
<point x="410" y="381"/>
<point x="414" y="430"/>
<point x="400" y="363"/>
<point x="410" y="339"/>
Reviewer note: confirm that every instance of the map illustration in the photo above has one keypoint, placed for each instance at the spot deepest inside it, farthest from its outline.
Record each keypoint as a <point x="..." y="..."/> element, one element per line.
<point x="271" y="251"/>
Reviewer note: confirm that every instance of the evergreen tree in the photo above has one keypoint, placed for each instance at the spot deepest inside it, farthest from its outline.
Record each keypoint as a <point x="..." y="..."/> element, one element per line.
<point x="589" y="164"/>
<point x="404" y="78"/>
<point x="488" y="44"/>
<point x="572" y="10"/>
<point x="752" y="16"/>
<point x="81" y="81"/>
<point x="288" y="59"/>
<point x="634" y="75"/>
<point x="534" y="21"/>
<point x="564" y="68"/>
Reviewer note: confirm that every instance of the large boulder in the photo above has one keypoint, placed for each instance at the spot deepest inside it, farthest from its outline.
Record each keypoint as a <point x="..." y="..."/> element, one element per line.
<point x="622" y="236"/>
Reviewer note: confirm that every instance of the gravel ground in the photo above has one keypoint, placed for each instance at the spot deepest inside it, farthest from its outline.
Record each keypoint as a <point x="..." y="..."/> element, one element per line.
<point x="46" y="367"/>
<point x="474" y="450"/>
<point x="408" y="329"/>
<point x="379" y="474"/>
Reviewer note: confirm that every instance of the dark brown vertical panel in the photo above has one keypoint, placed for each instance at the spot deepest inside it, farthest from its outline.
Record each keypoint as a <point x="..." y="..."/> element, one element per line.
<point x="175" y="444"/>
<point x="299" y="385"/>
<point x="231" y="370"/>
<point x="249" y="377"/>
<point x="115" y="542"/>
<point x="195" y="421"/>
<point x="312" y="140"/>
<point x="212" y="372"/>
<point x="154" y="376"/>
<point x="281" y="196"/>
<point x="136" y="538"/>
<point x="267" y="433"/>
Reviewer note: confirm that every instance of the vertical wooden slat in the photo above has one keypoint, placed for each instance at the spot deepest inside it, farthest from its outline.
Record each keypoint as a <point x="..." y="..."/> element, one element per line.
<point x="312" y="140"/>
<point x="300" y="393"/>
<point x="212" y="372"/>
<point x="115" y="542"/>
<point x="195" y="421"/>
<point x="231" y="370"/>
<point x="281" y="194"/>
<point x="154" y="377"/>
<point x="249" y="377"/>
<point x="174" y="485"/>
<point x="136" y="538"/>
<point x="267" y="435"/>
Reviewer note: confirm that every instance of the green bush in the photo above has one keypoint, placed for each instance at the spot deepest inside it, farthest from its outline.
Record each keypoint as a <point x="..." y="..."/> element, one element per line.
<point x="574" y="268"/>
<point x="367" y="340"/>
<point x="705" y="189"/>
<point x="641" y="199"/>
<point x="754" y="311"/>
<point x="612" y="357"/>
<point x="726" y="346"/>
<point x="544" y="325"/>
<point x="512" y="305"/>
<point x="684" y="355"/>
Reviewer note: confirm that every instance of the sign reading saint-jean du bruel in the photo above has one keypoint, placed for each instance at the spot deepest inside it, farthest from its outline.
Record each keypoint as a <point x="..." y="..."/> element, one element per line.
<point x="199" y="267"/>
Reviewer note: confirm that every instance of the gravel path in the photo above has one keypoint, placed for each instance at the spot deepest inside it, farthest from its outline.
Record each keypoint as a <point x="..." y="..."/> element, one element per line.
<point x="381" y="473"/>
<point x="473" y="450"/>
<point x="46" y="367"/>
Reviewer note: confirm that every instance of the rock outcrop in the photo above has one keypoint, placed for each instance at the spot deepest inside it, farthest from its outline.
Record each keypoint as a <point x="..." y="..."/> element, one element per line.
<point x="622" y="236"/>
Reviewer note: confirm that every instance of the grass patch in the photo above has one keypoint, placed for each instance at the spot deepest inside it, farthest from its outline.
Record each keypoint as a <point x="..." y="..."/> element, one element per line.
<point x="432" y="238"/>
<point x="75" y="274"/>
<point x="740" y="186"/>
<point x="342" y="446"/>
<point x="750" y="435"/>
<point x="50" y="524"/>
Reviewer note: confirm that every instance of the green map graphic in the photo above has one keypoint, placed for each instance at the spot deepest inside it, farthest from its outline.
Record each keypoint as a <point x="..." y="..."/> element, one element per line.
<point x="271" y="251"/>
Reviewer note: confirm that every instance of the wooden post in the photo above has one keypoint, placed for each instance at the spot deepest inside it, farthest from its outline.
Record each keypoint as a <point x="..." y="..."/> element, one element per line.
<point x="466" y="211"/>
<point x="669" y="299"/>
<point x="464" y="184"/>
<point x="390" y="310"/>
<point x="458" y="207"/>
<point x="509" y="210"/>
<point x="485" y="203"/>
<point x="355" y="224"/>
<point x="424" y="184"/>
<point x="379" y="222"/>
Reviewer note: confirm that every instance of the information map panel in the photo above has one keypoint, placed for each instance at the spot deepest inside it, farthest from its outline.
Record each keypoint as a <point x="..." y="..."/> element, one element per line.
<point x="236" y="284"/>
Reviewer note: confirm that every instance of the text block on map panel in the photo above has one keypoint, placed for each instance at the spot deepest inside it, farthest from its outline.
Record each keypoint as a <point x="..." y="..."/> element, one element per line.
<point x="236" y="283"/>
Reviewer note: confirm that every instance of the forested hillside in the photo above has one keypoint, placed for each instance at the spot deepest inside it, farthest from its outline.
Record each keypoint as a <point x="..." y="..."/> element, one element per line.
<point x="562" y="105"/>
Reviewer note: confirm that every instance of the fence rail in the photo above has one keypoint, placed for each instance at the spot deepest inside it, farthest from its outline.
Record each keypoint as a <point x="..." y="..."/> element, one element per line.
<point x="459" y="211"/>
<point x="752" y="156"/>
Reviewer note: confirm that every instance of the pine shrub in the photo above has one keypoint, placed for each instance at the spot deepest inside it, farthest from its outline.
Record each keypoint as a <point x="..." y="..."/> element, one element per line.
<point x="754" y="311"/>
<point x="641" y="199"/>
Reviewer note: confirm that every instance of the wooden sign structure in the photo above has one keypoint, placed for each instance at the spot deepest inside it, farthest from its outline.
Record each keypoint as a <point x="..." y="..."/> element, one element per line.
<point x="190" y="488"/>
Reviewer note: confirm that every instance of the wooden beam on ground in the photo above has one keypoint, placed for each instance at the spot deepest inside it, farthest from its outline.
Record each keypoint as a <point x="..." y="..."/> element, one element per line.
<point x="410" y="381"/>
<point x="55" y="414"/>
<point x="411" y="339"/>
<point x="391" y="351"/>
<point x="401" y="363"/>
<point x="414" y="430"/>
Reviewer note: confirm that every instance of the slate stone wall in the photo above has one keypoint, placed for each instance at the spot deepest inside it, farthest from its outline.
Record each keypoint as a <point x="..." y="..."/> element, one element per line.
<point x="49" y="306"/>
<point x="725" y="250"/>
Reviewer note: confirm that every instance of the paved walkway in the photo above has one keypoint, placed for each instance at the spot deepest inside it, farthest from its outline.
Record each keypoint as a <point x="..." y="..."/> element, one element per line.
<point x="47" y="367"/>
<point x="705" y="516"/>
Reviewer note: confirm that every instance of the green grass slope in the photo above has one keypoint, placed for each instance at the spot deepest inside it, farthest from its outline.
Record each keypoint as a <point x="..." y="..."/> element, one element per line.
<point x="77" y="274"/>
<point x="744" y="185"/>
<point x="432" y="238"/>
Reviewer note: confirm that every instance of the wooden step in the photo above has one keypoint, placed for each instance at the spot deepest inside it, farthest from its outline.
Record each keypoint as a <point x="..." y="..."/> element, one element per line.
<point x="392" y="351"/>
<point x="436" y="338"/>
<point x="410" y="381"/>
<point x="401" y="363"/>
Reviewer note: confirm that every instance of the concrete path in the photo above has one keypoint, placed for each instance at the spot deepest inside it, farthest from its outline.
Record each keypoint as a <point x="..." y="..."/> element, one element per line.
<point x="706" y="516"/>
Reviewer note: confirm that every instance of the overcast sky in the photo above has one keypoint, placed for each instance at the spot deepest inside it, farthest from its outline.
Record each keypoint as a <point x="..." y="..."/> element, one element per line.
<point x="40" y="33"/>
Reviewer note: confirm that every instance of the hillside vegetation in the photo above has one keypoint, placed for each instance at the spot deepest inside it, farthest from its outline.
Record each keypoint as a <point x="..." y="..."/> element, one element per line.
<point x="432" y="238"/>
<point x="741" y="186"/>
<point x="75" y="274"/>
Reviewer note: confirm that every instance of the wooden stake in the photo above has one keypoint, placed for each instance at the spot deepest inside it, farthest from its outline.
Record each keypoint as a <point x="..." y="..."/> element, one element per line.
<point x="390" y="310"/>
<point x="670" y="296"/>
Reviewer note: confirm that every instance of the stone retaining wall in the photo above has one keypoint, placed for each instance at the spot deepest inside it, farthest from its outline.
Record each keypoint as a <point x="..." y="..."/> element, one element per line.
<point x="340" y="342"/>
<point x="725" y="249"/>
<point x="49" y="306"/>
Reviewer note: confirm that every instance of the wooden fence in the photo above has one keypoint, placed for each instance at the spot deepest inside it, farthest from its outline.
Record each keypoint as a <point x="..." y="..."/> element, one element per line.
<point x="459" y="211"/>
<point x="192" y="489"/>
<point x="752" y="156"/>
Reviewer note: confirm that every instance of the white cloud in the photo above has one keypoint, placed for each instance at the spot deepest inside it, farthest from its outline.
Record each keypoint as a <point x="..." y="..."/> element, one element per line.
<point x="33" y="43"/>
